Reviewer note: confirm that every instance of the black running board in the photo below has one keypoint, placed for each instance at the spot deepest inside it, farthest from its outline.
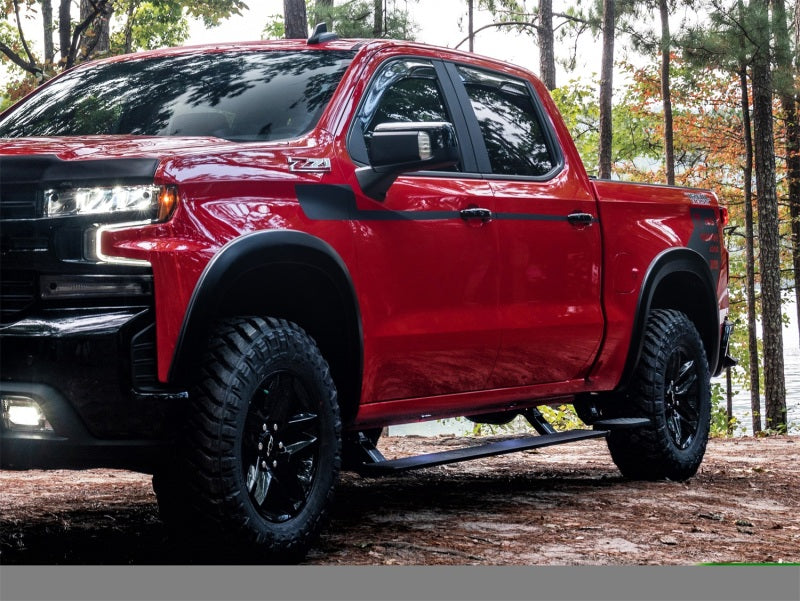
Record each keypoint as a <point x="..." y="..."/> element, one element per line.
<point x="393" y="466"/>
<point x="621" y="423"/>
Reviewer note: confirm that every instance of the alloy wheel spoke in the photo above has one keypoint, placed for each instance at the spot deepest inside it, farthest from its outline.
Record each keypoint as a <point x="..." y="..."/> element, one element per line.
<point x="685" y="378"/>
<point x="293" y="491"/>
<point x="263" y="482"/>
<point x="301" y="421"/>
<point x="674" y="425"/>
<point x="301" y="447"/>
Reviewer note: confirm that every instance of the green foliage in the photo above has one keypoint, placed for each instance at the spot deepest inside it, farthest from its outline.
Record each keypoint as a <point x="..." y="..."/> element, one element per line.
<point x="353" y="19"/>
<point x="213" y="12"/>
<point x="152" y="25"/>
<point x="636" y="138"/>
<point x="720" y="426"/>
<point x="561" y="418"/>
<point x="275" y="29"/>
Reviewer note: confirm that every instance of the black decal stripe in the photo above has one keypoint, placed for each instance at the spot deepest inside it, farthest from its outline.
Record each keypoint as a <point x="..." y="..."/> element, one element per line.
<point x="705" y="237"/>
<point x="327" y="202"/>
<point x="333" y="203"/>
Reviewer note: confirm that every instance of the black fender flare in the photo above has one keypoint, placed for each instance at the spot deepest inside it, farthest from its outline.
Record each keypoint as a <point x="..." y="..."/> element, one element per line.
<point x="668" y="262"/>
<point x="240" y="256"/>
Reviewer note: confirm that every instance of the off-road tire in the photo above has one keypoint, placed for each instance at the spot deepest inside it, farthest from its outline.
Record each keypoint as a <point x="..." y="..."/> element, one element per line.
<point x="671" y="386"/>
<point x="262" y="447"/>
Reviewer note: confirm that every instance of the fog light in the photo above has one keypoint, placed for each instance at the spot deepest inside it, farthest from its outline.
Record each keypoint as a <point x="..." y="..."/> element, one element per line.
<point x="23" y="413"/>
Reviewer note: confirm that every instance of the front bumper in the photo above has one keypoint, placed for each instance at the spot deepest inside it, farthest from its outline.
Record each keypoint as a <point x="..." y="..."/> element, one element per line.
<point x="91" y="373"/>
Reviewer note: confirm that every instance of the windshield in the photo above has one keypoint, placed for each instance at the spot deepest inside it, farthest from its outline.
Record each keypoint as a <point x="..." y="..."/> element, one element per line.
<point x="243" y="96"/>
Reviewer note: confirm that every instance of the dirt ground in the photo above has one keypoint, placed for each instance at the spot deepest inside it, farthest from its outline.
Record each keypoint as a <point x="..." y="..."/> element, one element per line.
<point x="561" y="505"/>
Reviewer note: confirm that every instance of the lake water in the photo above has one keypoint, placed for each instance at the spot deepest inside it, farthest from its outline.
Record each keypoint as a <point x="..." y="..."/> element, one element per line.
<point x="741" y="399"/>
<point x="791" y="370"/>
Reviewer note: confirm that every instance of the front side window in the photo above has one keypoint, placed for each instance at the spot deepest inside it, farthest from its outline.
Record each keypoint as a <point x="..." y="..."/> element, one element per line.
<point x="405" y="91"/>
<point x="242" y="96"/>
<point x="511" y="128"/>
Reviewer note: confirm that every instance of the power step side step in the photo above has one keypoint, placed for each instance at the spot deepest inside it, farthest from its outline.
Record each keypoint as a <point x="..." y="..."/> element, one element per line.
<point x="377" y="466"/>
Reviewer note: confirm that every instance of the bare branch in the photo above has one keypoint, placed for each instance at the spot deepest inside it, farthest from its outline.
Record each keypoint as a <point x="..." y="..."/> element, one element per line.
<point x="28" y="53"/>
<point x="18" y="60"/>
<point x="503" y="24"/>
<point x="97" y="8"/>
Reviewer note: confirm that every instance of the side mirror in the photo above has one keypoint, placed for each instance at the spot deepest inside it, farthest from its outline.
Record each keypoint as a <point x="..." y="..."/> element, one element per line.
<point x="396" y="148"/>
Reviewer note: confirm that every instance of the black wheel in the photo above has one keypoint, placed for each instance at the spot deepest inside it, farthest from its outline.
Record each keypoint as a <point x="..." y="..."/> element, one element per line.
<point x="671" y="386"/>
<point x="262" y="450"/>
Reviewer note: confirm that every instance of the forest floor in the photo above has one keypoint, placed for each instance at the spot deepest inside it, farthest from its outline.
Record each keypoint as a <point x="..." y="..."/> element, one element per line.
<point x="564" y="505"/>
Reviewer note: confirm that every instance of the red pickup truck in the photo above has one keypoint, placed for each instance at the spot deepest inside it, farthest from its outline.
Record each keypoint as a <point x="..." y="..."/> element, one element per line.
<point x="231" y="266"/>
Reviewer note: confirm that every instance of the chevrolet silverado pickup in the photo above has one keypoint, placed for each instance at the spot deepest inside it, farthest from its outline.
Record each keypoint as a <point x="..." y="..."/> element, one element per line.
<point x="232" y="265"/>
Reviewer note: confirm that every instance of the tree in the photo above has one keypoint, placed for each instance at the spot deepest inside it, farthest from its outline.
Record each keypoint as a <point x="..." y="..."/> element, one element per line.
<point x="606" y="89"/>
<point x="92" y="34"/>
<point x="545" y="35"/>
<point x="788" y="91"/>
<point x="752" y="338"/>
<point x="294" y="16"/>
<point x="357" y="19"/>
<point x="768" y="231"/>
<point x="666" y="50"/>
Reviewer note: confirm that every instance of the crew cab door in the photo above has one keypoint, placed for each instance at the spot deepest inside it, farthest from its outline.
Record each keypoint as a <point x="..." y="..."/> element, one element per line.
<point x="427" y="262"/>
<point x="550" y="248"/>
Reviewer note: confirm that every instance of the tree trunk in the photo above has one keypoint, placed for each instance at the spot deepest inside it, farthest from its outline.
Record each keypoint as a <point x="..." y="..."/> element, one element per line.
<point x="132" y="6"/>
<point x="547" y="57"/>
<point x="750" y="286"/>
<point x="95" y="39"/>
<point x="294" y="17"/>
<point x="606" y="88"/>
<point x="64" y="29"/>
<point x="471" y="24"/>
<point x="768" y="234"/>
<point x="377" y="22"/>
<point x="789" y="97"/>
<point x="47" y="26"/>
<point x="666" y="48"/>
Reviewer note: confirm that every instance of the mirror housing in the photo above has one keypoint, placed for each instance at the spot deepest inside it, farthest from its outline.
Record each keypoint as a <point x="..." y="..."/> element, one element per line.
<point x="396" y="148"/>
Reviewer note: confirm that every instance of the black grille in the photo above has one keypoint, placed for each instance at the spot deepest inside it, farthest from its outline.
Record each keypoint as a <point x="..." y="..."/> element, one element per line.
<point x="17" y="293"/>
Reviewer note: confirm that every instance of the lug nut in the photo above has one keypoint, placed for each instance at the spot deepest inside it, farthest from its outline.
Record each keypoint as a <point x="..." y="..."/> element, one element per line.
<point x="260" y="446"/>
<point x="264" y="427"/>
<point x="280" y="445"/>
<point x="274" y="463"/>
<point x="275" y="427"/>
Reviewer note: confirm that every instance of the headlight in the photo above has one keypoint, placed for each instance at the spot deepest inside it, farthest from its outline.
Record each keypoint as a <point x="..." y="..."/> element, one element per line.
<point x="155" y="202"/>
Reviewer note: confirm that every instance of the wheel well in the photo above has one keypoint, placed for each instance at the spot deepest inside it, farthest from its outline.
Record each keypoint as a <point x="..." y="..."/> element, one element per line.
<point x="305" y="295"/>
<point x="677" y="279"/>
<point x="283" y="274"/>
<point x="686" y="292"/>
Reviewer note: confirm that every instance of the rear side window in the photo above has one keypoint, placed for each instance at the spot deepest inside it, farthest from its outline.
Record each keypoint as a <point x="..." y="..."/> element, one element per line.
<point x="512" y="130"/>
<point x="243" y="96"/>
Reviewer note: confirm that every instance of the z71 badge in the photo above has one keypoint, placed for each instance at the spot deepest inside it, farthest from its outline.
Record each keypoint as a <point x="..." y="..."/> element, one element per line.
<point x="309" y="164"/>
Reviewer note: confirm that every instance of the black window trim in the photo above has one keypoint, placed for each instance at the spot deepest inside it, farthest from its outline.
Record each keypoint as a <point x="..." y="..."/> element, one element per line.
<point x="476" y="135"/>
<point x="452" y="104"/>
